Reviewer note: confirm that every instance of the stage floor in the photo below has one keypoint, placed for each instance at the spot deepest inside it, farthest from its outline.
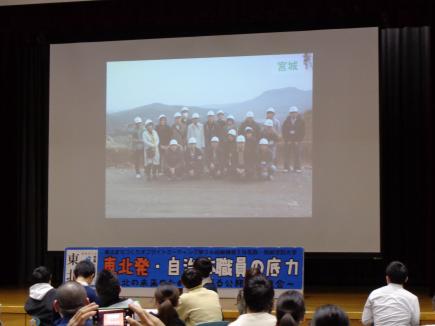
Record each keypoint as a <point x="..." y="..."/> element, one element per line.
<point x="352" y="301"/>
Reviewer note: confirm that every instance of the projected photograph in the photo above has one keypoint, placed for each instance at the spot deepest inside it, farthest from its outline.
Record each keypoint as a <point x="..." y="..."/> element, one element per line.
<point x="216" y="137"/>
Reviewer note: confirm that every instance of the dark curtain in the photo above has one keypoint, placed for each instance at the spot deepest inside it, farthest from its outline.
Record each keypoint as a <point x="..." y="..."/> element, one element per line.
<point x="406" y="163"/>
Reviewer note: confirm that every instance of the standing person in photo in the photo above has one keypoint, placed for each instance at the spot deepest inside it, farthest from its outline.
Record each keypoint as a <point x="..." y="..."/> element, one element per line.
<point x="137" y="145"/>
<point x="293" y="132"/>
<point x="152" y="154"/>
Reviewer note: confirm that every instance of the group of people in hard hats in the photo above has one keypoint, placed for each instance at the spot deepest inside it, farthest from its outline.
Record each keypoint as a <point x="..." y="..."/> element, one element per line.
<point x="218" y="147"/>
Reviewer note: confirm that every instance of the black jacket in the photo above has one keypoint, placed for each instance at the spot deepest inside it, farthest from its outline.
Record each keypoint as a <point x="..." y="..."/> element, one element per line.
<point x="42" y="308"/>
<point x="293" y="131"/>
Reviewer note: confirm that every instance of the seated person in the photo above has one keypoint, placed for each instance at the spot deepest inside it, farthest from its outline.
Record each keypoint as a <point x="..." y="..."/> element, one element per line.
<point x="266" y="168"/>
<point x="108" y="290"/>
<point x="258" y="294"/>
<point x="193" y="159"/>
<point x="392" y="304"/>
<point x="84" y="273"/>
<point x="167" y="297"/>
<point x="174" y="160"/>
<point x="41" y="297"/>
<point x="290" y="308"/>
<point x="215" y="159"/>
<point x="205" y="267"/>
<point x="70" y="297"/>
<point x="198" y="305"/>
<point x="240" y="300"/>
<point x="330" y="315"/>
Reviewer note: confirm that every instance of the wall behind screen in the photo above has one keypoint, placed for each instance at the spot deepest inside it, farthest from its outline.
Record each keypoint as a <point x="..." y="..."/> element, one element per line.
<point x="345" y="147"/>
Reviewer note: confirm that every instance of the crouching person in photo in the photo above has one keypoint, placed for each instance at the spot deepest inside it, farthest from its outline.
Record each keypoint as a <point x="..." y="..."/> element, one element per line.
<point x="152" y="155"/>
<point x="266" y="168"/>
<point x="215" y="159"/>
<point x="174" y="161"/>
<point x="193" y="159"/>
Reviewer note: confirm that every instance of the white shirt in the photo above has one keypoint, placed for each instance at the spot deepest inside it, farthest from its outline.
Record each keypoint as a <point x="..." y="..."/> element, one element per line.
<point x="391" y="305"/>
<point x="255" y="319"/>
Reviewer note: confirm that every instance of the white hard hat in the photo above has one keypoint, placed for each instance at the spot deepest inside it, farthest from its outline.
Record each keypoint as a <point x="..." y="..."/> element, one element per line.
<point x="137" y="120"/>
<point x="249" y="114"/>
<point x="293" y="109"/>
<point x="248" y="128"/>
<point x="185" y="109"/>
<point x="232" y="132"/>
<point x="192" y="140"/>
<point x="264" y="141"/>
<point x="195" y="116"/>
<point x="271" y="109"/>
<point x="215" y="139"/>
<point x="209" y="113"/>
<point x="220" y="112"/>
<point x="240" y="139"/>
<point x="162" y="116"/>
<point x="268" y="123"/>
<point x="177" y="115"/>
<point x="230" y="117"/>
<point x="173" y="142"/>
<point x="148" y="121"/>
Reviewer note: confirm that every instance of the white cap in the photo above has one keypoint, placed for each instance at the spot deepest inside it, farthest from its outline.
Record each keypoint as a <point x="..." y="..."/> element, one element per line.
<point x="173" y="142"/>
<point x="162" y="116"/>
<point x="248" y="128"/>
<point x="220" y="112"/>
<point x="230" y="117"/>
<point x="185" y="109"/>
<point x="240" y="139"/>
<point x="137" y="120"/>
<point x="209" y="113"/>
<point x="249" y="114"/>
<point x="195" y="116"/>
<point x="293" y="109"/>
<point x="271" y="109"/>
<point x="177" y="115"/>
<point x="232" y="132"/>
<point x="148" y="121"/>
<point x="264" y="141"/>
<point x="268" y="123"/>
<point x="192" y="140"/>
<point x="215" y="139"/>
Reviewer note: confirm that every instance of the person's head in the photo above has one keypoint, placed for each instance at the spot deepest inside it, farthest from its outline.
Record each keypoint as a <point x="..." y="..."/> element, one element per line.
<point x="163" y="120"/>
<point x="210" y="116"/>
<point x="108" y="288"/>
<point x="192" y="143"/>
<point x="177" y="117"/>
<point x="249" y="116"/>
<point x="270" y="113"/>
<point x="249" y="132"/>
<point x="293" y="112"/>
<point x="166" y="296"/>
<point x="240" y="142"/>
<point x="396" y="273"/>
<point x="268" y="125"/>
<point x="258" y="293"/>
<point x="185" y="112"/>
<point x="263" y="144"/>
<point x="330" y="315"/>
<point x="149" y="125"/>
<point x="191" y="278"/>
<point x="173" y="145"/>
<point x="232" y="134"/>
<point x="138" y="122"/>
<point x="203" y="264"/>
<point x="221" y="115"/>
<point x="214" y="142"/>
<point x="290" y="308"/>
<point x="195" y="118"/>
<point x="230" y="120"/>
<point x="250" y="273"/>
<point x="85" y="269"/>
<point x="41" y="274"/>
<point x="70" y="297"/>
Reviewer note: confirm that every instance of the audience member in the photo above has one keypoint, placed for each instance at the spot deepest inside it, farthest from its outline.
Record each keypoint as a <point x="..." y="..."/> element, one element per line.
<point x="167" y="297"/>
<point x="108" y="290"/>
<point x="205" y="267"/>
<point x="70" y="297"/>
<point x="241" y="304"/>
<point x="290" y="308"/>
<point x="330" y="315"/>
<point x="84" y="273"/>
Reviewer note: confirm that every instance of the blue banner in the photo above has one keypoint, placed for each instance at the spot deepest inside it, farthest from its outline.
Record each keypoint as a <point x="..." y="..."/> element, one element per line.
<point x="146" y="267"/>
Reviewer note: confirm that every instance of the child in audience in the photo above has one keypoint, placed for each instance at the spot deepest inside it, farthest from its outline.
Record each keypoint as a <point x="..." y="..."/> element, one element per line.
<point x="258" y="294"/>
<point x="84" y="273"/>
<point x="290" y="308"/>
<point x="198" y="305"/>
<point x="41" y="297"/>
<point x="205" y="267"/>
<point x="108" y="290"/>
<point x="330" y="315"/>
<point x="167" y="297"/>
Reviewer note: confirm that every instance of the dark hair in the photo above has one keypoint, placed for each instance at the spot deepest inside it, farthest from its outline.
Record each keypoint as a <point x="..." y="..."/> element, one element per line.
<point x="84" y="268"/>
<point x="166" y="296"/>
<point x="330" y="315"/>
<point x="397" y="272"/>
<point x="191" y="278"/>
<point x="258" y="293"/>
<point x="108" y="288"/>
<point x="41" y="274"/>
<point x="290" y="308"/>
<point x="204" y="265"/>
<point x="250" y="273"/>
<point x="71" y="296"/>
